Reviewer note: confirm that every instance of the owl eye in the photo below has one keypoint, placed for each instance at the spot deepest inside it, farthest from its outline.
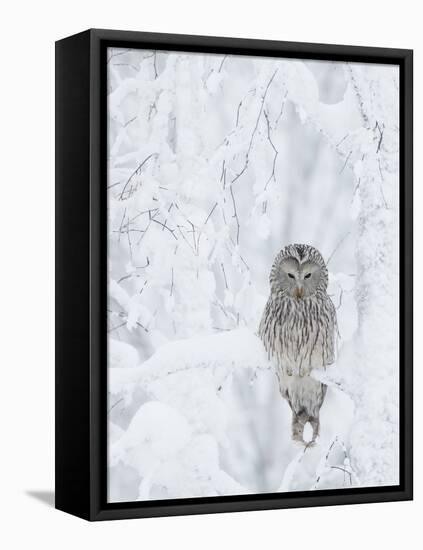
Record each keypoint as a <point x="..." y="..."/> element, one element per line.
<point x="291" y="276"/>
<point x="307" y="276"/>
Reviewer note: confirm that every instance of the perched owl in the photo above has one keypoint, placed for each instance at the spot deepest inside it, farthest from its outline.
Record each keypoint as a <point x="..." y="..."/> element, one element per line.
<point x="298" y="330"/>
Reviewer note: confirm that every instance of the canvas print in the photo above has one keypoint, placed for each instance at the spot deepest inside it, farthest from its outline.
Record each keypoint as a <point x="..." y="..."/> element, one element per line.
<point x="253" y="275"/>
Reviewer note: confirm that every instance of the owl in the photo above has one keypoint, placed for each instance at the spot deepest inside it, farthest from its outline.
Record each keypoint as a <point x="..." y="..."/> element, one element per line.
<point x="298" y="329"/>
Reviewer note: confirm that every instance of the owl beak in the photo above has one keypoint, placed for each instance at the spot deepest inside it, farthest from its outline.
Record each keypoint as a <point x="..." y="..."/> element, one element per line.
<point x="299" y="292"/>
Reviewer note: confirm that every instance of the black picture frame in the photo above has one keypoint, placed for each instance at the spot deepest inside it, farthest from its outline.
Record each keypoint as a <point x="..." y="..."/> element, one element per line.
<point x="81" y="285"/>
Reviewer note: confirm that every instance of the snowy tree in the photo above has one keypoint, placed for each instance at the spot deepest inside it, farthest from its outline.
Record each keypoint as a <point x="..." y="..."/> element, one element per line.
<point x="215" y="163"/>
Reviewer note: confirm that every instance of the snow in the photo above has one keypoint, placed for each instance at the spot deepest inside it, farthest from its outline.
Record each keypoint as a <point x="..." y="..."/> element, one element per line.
<point x="186" y="426"/>
<point x="215" y="163"/>
<point x="121" y="354"/>
<point x="161" y="446"/>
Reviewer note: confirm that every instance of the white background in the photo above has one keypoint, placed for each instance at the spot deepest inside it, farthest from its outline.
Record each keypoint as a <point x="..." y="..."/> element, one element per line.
<point x="28" y="32"/>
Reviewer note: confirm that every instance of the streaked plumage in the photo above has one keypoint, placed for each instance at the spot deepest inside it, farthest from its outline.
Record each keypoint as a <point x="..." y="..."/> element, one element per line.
<point x="298" y="329"/>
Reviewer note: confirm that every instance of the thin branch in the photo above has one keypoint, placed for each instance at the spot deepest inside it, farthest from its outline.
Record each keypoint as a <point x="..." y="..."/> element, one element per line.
<point x="260" y="112"/>
<point x="250" y="145"/>
<point x="211" y="212"/>
<point x="356" y="189"/>
<point x="282" y="109"/>
<point x="185" y="239"/>
<point x="272" y="175"/>
<point x="235" y="214"/>
<point x="343" y="470"/>
<point x="359" y="97"/>
<point x="204" y="224"/>
<point x="155" y="65"/>
<point x="143" y="286"/>
<point x="380" y="137"/>
<point x="237" y="112"/>
<point x="171" y="285"/>
<point x="223" y="61"/>
<point x="381" y="185"/>
<point x="224" y="276"/>
<point x="114" y="184"/>
<point x="164" y="226"/>
<point x="130" y="275"/>
<point x="253" y="90"/>
<point x="130" y="121"/>
<point x="135" y="173"/>
<point x="345" y="163"/>
<point x="114" y="405"/>
<point x="223" y="174"/>
<point x="342" y="140"/>
<point x="117" y="327"/>
<point x="337" y="246"/>
<point x="121" y="223"/>
<point x="117" y="54"/>
<point x="124" y="315"/>
<point x="241" y="172"/>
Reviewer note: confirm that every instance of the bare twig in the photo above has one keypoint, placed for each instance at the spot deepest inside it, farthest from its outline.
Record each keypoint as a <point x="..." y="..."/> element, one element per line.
<point x="204" y="225"/>
<point x="282" y="109"/>
<point x="185" y="239"/>
<point x="224" y="276"/>
<point x="115" y="404"/>
<point x="117" y="54"/>
<point x="380" y="136"/>
<point x="250" y="145"/>
<point x="121" y="224"/>
<point x="114" y="184"/>
<point x="222" y="62"/>
<point x="356" y="188"/>
<point x="210" y="214"/>
<point x="155" y="65"/>
<point x="164" y="226"/>
<point x="117" y="327"/>
<point x="135" y="173"/>
<point x="171" y="285"/>
<point x="272" y="175"/>
<point x="345" y="163"/>
<point x="235" y="214"/>
<point x="337" y="246"/>
<point x="124" y="315"/>
<point x="359" y="97"/>
<point x="342" y="140"/>
<point x="237" y="112"/>
<point x="130" y="121"/>
<point x="381" y="185"/>
<point x="223" y="174"/>
<point x="343" y="470"/>
<point x="260" y="111"/>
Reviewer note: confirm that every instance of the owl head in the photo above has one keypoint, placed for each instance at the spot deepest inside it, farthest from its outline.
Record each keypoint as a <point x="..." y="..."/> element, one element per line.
<point x="298" y="271"/>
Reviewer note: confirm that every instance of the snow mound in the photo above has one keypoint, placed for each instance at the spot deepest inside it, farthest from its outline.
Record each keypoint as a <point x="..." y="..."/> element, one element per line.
<point x="122" y="355"/>
<point x="236" y="348"/>
<point x="192" y="375"/>
<point x="156" y="433"/>
<point x="161" y="447"/>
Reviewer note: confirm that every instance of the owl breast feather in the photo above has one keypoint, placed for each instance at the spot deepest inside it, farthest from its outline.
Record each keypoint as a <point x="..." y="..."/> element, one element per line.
<point x="299" y="335"/>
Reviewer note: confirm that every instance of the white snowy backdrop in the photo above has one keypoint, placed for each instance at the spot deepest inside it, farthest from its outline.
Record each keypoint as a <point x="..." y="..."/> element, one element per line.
<point x="216" y="163"/>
